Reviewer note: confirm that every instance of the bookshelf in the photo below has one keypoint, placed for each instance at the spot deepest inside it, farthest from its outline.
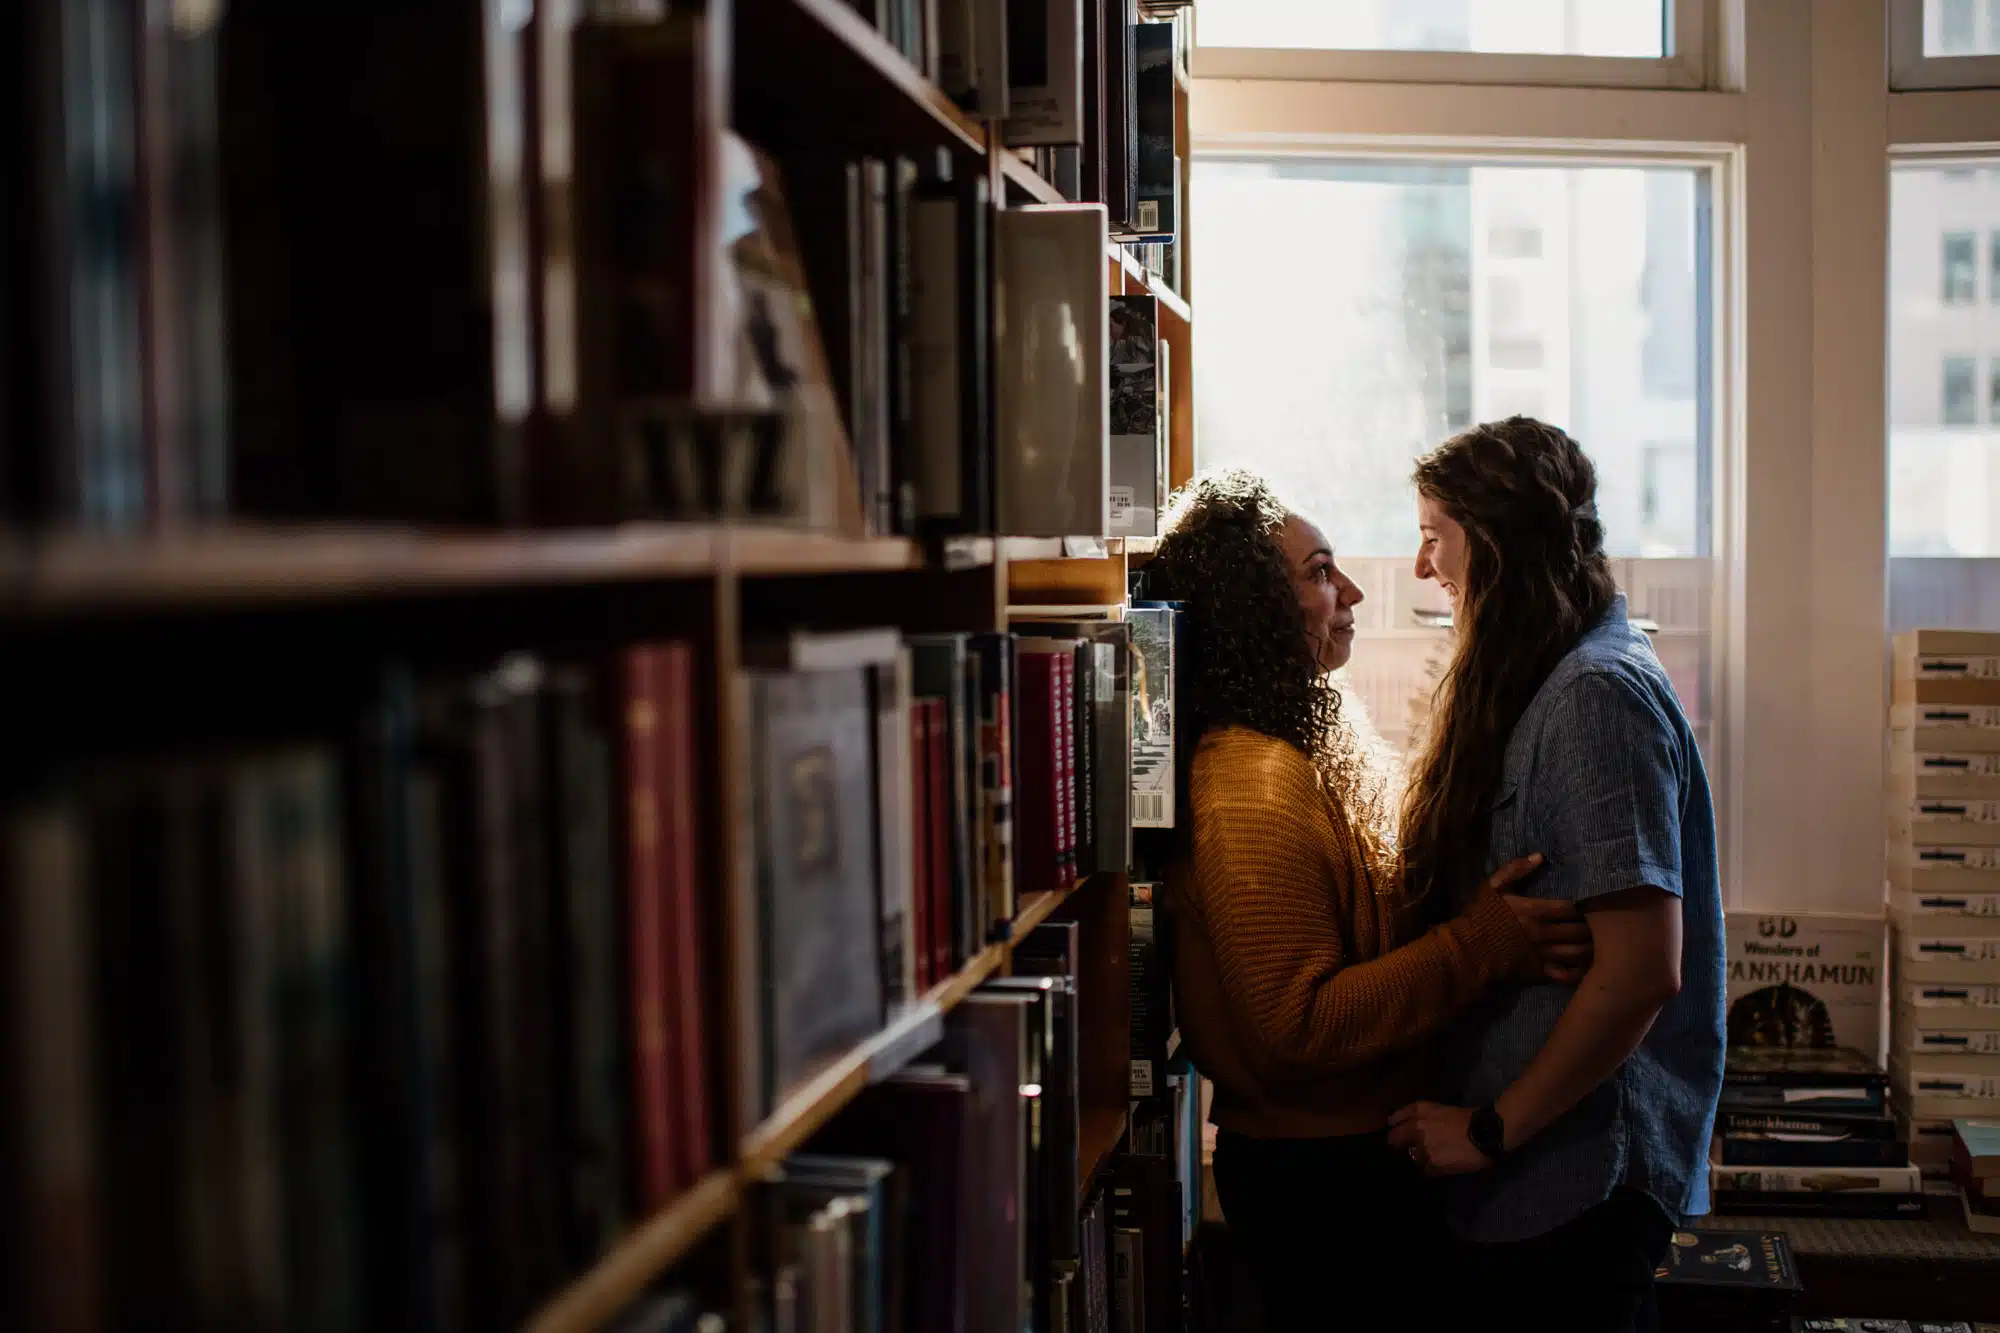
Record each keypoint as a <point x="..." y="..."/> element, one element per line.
<point x="310" y="601"/>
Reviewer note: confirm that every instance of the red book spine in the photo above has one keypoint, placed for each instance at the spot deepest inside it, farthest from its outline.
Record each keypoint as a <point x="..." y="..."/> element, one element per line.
<point x="938" y="776"/>
<point x="920" y="841"/>
<point x="1036" y="836"/>
<point x="686" y="1010"/>
<point x="656" y="1131"/>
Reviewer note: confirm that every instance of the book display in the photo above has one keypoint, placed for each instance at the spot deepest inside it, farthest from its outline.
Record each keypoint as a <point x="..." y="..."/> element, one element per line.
<point x="1943" y="821"/>
<point x="582" y="768"/>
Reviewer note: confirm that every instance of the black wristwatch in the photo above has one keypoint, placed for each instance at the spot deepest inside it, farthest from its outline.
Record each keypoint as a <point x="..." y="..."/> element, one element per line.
<point x="1488" y="1132"/>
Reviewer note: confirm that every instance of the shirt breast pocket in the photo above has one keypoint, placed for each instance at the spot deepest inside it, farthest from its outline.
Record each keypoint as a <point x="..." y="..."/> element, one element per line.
<point x="1505" y="843"/>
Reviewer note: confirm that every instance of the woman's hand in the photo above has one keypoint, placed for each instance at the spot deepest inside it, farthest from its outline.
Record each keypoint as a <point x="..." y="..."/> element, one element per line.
<point x="1557" y="929"/>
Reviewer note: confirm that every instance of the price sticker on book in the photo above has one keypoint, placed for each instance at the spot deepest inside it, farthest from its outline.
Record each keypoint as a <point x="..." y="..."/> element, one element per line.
<point x="1123" y="499"/>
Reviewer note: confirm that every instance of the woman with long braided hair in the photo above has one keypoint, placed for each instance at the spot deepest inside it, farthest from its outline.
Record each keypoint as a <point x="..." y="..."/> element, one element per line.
<point x="1304" y="986"/>
<point x="1584" y="1113"/>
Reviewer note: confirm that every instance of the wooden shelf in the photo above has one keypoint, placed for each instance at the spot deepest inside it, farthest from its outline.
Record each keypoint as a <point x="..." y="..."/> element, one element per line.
<point x="1097" y="1139"/>
<point x="596" y="1298"/>
<point x="278" y="564"/>
<point x="879" y="97"/>
<point x="1029" y="181"/>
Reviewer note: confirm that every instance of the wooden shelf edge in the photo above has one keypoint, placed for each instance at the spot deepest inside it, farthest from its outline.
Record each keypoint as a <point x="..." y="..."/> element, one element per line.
<point x="1097" y="1139"/>
<point x="1031" y="182"/>
<point x="280" y="564"/>
<point x="597" y="1298"/>
<point x="844" y="24"/>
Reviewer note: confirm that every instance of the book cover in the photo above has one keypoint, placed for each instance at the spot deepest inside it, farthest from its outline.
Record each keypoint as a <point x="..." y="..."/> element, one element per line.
<point x="1753" y="1261"/>
<point x="949" y="349"/>
<point x="1816" y="1179"/>
<point x="1045" y="44"/>
<point x="1810" y="980"/>
<point x="1156" y="203"/>
<point x="1153" y="776"/>
<point x="816" y="870"/>
<point x="896" y="829"/>
<point x="1979" y="1142"/>
<point x="937" y="770"/>
<point x="1138" y="436"/>
<point x="1050" y="366"/>
<point x="923" y="964"/>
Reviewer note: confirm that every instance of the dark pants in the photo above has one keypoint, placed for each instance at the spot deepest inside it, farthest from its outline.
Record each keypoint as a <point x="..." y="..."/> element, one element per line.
<point x="1592" y="1275"/>
<point x="1344" y="1233"/>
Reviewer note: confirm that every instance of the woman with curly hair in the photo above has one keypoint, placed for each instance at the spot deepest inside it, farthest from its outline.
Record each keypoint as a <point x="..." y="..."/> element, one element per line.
<point x="1304" y="986"/>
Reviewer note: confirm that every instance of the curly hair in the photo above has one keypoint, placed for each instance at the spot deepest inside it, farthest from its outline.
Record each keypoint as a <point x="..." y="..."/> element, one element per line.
<point x="1245" y="657"/>
<point x="1536" y="580"/>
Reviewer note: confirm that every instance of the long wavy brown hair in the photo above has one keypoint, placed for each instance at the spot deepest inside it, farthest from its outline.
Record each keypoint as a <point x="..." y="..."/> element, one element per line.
<point x="1536" y="581"/>
<point x="1244" y="656"/>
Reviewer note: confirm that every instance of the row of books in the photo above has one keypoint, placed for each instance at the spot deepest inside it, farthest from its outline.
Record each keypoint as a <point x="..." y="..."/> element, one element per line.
<point x="1085" y="88"/>
<point x="639" y="340"/>
<point x="902" y="796"/>
<point x="1943" y="830"/>
<point x="394" y="1029"/>
<point x="949" y="1195"/>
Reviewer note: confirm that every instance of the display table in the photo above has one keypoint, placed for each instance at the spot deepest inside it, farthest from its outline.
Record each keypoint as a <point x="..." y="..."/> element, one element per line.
<point x="1861" y="1268"/>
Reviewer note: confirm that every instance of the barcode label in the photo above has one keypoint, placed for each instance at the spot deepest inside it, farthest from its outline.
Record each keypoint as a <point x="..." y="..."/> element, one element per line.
<point x="1947" y="811"/>
<point x="1955" y="904"/>
<point x="1968" y="858"/>
<point x="1955" y="997"/>
<point x="1149" y="808"/>
<point x="1122" y="501"/>
<point x="1947" y="718"/>
<point x="1964" y="765"/>
<point x="1948" y="949"/>
<point x="1957" y="1042"/>
<point x="1149" y="215"/>
<point x="1958" y="668"/>
<point x="1142" y="1078"/>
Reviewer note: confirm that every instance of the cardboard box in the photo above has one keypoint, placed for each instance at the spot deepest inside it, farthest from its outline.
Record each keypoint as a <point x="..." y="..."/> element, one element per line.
<point x="1806" y="979"/>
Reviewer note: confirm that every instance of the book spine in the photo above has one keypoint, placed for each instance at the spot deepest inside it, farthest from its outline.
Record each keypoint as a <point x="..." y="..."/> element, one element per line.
<point x="935" y="357"/>
<point x="890" y="685"/>
<point x="904" y="446"/>
<point x="1066" y="754"/>
<point x="976" y="431"/>
<point x="938" y="782"/>
<point x="996" y="656"/>
<point x="588" y="993"/>
<point x="641" y="692"/>
<point x="1084" y="752"/>
<point x="1738" y="1151"/>
<point x="918" y="769"/>
<point x="685" y="949"/>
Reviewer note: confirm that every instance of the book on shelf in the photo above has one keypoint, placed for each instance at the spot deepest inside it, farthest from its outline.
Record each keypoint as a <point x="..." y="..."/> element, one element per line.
<point x="1053" y="409"/>
<point x="998" y="767"/>
<point x="1146" y="1215"/>
<point x="1138" y="436"/>
<point x="1833" y="1079"/>
<point x="943" y="669"/>
<point x="1929" y="666"/>
<point x="994" y="1038"/>
<point x="809" y="887"/>
<point x="1052" y="950"/>
<point x="1101" y="683"/>
<point x="1121" y="119"/>
<point x="1156" y="193"/>
<point x="951" y="459"/>
<point x="1151" y="991"/>
<point x="1045" y="45"/>
<point x="1153" y="642"/>
<point x="1043" y="848"/>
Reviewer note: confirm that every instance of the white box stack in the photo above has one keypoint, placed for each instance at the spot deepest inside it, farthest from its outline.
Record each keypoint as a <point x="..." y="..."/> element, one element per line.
<point x="1944" y="885"/>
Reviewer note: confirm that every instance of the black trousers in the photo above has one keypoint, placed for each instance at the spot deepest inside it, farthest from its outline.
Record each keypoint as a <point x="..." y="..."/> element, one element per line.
<point x="1345" y="1233"/>
<point x="1592" y="1275"/>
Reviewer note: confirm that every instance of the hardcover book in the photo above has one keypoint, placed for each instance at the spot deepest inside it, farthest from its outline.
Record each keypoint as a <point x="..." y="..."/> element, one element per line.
<point x="1153" y="776"/>
<point x="1044" y="72"/>
<point x="1805" y="980"/>
<point x="1138" y="438"/>
<point x="1156" y="206"/>
<point x="1050" y="372"/>
<point x="815" y="868"/>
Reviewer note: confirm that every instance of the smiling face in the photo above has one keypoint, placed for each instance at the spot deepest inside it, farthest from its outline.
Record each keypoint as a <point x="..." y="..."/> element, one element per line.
<point x="1443" y="554"/>
<point x="1327" y="596"/>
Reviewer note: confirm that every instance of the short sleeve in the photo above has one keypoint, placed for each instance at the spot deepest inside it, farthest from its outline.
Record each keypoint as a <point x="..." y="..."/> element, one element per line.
<point x="1604" y="806"/>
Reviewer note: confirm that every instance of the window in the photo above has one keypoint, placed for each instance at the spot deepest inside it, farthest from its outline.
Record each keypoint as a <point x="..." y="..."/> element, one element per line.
<point x="1944" y="43"/>
<point x="1944" y="466"/>
<point x="1415" y="311"/>
<point x="1960" y="277"/>
<point x="1960" y="407"/>
<point x="1630" y="28"/>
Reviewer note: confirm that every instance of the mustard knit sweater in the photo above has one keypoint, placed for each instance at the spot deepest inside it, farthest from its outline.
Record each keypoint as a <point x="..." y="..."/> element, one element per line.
<point x="1295" y="994"/>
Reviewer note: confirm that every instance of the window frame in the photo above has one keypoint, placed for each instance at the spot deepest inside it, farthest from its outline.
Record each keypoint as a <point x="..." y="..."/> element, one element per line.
<point x="1686" y="64"/>
<point x="1910" y="70"/>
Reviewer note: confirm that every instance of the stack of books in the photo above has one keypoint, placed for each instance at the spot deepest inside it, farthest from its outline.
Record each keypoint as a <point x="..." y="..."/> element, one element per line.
<point x="1805" y="1131"/>
<point x="1944" y="883"/>
<point x="1975" y="1169"/>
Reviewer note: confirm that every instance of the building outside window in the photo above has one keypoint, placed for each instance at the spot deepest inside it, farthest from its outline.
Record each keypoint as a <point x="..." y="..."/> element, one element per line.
<point x="1960" y="271"/>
